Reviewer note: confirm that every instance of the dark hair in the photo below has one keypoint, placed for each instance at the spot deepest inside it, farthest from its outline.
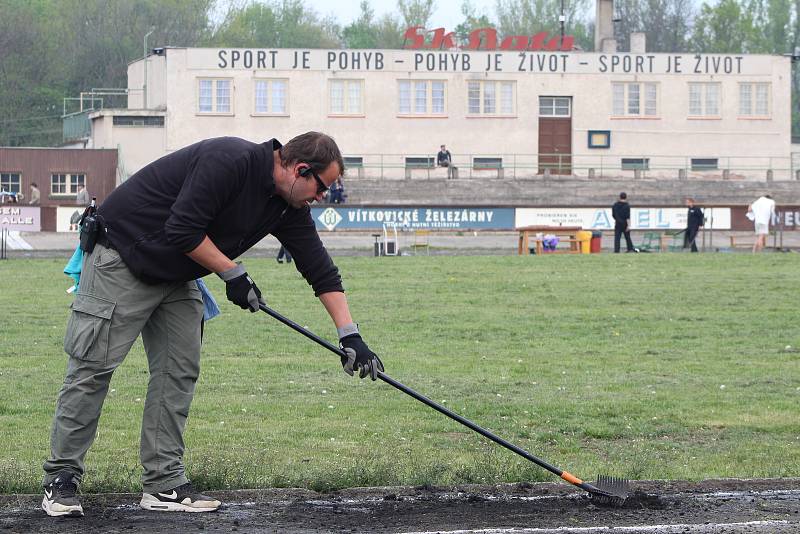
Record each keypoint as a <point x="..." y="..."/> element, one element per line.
<point x="315" y="148"/>
<point x="768" y="196"/>
<point x="34" y="184"/>
<point x="623" y="195"/>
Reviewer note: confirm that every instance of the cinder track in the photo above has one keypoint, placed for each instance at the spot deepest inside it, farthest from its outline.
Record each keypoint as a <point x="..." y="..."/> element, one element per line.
<point x="657" y="507"/>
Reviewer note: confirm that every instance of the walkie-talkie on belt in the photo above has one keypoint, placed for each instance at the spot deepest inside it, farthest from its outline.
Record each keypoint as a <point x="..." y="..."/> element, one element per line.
<point x="89" y="227"/>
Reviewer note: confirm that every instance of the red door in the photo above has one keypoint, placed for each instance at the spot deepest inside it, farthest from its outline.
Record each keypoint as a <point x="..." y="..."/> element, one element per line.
<point x="555" y="135"/>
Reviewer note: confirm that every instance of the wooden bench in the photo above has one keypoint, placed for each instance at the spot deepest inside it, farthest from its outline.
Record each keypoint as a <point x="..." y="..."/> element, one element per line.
<point x="738" y="241"/>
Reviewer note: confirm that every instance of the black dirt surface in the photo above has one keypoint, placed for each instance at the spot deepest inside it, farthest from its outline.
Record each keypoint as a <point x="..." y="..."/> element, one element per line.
<point x="714" y="506"/>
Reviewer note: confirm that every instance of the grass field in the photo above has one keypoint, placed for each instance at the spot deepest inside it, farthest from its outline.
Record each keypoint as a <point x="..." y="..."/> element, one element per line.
<point x="655" y="366"/>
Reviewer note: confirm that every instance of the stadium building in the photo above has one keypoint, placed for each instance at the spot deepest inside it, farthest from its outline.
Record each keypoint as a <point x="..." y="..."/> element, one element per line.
<point x="528" y="124"/>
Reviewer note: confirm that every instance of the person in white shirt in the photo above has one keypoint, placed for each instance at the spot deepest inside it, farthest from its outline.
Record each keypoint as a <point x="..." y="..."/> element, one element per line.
<point x="761" y="212"/>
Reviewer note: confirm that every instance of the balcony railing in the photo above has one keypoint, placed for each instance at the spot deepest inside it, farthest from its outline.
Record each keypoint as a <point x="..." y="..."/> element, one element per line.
<point x="590" y="166"/>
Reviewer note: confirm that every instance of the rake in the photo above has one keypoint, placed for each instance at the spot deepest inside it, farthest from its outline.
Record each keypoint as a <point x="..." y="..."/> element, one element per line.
<point x="607" y="490"/>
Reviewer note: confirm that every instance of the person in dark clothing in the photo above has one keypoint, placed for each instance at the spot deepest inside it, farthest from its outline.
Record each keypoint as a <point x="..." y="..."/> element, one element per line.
<point x="179" y="218"/>
<point x="694" y="221"/>
<point x="445" y="159"/>
<point x="337" y="192"/>
<point x="284" y="253"/>
<point x="621" y="212"/>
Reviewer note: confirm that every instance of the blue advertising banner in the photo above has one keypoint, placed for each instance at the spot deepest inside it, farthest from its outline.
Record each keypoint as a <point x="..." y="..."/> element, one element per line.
<point x="433" y="218"/>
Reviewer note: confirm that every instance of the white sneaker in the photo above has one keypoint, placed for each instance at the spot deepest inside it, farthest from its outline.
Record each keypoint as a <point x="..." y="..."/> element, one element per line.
<point x="183" y="498"/>
<point x="59" y="496"/>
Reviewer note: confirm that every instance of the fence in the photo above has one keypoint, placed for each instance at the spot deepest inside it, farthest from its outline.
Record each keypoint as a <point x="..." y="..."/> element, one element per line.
<point x="592" y="166"/>
<point x="3" y="243"/>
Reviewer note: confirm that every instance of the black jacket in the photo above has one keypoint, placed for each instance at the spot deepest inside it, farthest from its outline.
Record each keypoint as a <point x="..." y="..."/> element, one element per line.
<point x="621" y="212"/>
<point x="222" y="188"/>
<point x="694" y="218"/>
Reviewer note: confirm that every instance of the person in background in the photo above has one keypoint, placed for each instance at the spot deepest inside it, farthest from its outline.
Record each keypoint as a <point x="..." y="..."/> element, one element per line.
<point x="621" y="212"/>
<point x="445" y="159"/>
<point x="83" y="197"/>
<point x="35" y="195"/>
<point x="694" y="221"/>
<point x="762" y="212"/>
<point x="283" y="252"/>
<point x="337" y="192"/>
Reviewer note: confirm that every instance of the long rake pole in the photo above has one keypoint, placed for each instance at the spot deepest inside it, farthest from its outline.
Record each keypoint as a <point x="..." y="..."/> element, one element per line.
<point x="572" y="479"/>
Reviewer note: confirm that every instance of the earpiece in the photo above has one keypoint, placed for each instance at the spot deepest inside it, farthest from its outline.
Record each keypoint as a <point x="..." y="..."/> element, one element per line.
<point x="304" y="171"/>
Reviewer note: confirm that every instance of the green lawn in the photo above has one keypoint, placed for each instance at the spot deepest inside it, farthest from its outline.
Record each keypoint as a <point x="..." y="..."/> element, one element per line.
<point x="659" y="366"/>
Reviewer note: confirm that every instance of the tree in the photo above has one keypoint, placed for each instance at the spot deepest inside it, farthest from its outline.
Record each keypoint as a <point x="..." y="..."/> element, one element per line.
<point x="288" y="24"/>
<point x="665" y="23"/>
<point x="361" y="33"/>
<point x="472" y="21"/>
<point x="727" y="27"/>
<point x="416" y="12"/>
<point x="528" y="17"/>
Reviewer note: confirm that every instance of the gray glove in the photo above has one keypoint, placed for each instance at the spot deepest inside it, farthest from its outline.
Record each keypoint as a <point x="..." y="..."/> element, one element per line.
<point x="240" y="288"/>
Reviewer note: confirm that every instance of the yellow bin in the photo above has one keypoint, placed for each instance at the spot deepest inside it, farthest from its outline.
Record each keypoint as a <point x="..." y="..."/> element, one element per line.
<point x="585" y="240"/>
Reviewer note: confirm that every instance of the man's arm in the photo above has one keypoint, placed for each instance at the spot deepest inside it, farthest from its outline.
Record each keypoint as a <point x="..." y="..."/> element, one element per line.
<point x="209" y="256"/>
<point x="336" y="304"/>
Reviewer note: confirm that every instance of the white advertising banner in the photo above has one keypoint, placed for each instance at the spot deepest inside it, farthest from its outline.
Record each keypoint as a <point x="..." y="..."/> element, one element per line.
<point x="600" y="218"/>
<point x="20" y="218"/>
<point x="67" y="218"/>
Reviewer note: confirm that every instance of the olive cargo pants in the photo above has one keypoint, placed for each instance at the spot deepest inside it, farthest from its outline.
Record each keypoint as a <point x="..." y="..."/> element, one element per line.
<point x="110" y="310"/>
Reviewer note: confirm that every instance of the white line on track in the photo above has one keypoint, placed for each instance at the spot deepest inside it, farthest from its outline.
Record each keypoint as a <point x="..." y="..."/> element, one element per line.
<point x="660" y="529"/>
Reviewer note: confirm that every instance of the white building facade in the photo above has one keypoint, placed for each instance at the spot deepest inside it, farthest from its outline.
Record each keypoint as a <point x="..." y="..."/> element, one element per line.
<point x="515" y="114"/>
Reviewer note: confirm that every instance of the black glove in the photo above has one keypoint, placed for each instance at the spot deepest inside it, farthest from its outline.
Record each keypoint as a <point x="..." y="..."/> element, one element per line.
<point x="240" y="288"/>
<point x="359" y="357"/>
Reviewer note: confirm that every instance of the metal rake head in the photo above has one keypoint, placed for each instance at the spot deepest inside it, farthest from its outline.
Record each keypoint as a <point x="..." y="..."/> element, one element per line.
<point x="610" y="490"/>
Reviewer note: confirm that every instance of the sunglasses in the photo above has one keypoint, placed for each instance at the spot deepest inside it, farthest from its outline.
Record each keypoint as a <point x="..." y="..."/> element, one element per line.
<point x="321" y="187"/>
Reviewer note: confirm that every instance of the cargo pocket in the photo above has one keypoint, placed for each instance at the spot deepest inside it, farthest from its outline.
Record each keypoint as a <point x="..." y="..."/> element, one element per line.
<point x="88" y="328"/>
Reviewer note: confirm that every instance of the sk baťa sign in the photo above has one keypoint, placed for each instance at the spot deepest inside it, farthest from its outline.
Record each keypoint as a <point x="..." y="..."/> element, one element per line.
<point x="485" y="39"/>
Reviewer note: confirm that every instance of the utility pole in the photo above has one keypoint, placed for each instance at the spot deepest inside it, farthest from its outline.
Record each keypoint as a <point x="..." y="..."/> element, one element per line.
<point x="562" y="19"/>
<point x="144" y="66"/>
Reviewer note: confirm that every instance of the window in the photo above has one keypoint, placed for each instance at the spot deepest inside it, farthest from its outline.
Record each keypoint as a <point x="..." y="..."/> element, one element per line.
<point x="66" y="184"/>
<point x="632" y="164"/>
<point x="634" y="99"/>
<point x="487" y="163"/>
<point x="555" y="106"/>
<point x="346" y="97"/>
<point x="420" y="162"/>
<point x="705" y="164"/>
<point x="704" y="100"/>
<point x="491" y="98"/>
<point x="132" y="120"/>
<point x="599" y="139"/>
<point x="353" y="162"/>
<point x="754" y="99"/>
<point x="421" y="97"/>
<point x="271" y="97"/>
<point x="214" y="96"/>
<point x="9" y="182"/>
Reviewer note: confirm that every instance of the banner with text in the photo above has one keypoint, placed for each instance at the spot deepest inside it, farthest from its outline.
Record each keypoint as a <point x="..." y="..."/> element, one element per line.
<point x="600" y="218"/>
<point x="22" y="219"/>
<point x="433" y="218"/>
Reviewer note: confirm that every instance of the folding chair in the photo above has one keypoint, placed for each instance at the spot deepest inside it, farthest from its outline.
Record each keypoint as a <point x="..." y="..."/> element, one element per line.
<point x="651" y="242"/>
<point x="421" y="241"/>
